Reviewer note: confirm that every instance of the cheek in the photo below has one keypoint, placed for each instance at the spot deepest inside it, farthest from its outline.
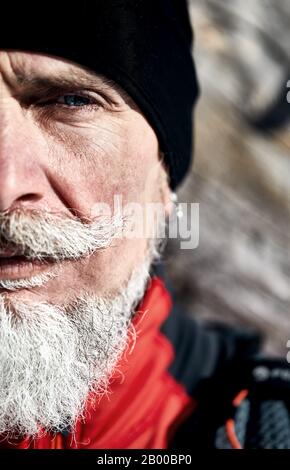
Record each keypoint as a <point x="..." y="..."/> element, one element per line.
<point x="106" y="158"/>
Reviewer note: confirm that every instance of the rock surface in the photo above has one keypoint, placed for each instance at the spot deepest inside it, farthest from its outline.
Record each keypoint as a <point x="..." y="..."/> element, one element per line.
<point x="240" y="273"/>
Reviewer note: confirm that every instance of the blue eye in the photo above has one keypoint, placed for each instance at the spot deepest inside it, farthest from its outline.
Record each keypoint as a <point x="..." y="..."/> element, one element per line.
<point x="74" y="100"/>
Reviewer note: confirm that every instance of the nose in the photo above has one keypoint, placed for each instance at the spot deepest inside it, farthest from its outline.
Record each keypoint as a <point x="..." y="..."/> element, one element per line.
<point x="22" y="181"/>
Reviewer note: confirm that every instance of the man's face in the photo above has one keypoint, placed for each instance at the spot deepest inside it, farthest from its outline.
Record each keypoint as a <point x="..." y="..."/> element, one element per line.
<point x="69" y="141"/>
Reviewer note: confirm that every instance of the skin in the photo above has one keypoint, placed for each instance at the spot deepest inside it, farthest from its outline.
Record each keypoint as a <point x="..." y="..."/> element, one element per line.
<point x="62" y="158"/>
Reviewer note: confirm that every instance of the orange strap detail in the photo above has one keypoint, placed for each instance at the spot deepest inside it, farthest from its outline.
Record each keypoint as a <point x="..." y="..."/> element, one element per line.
<point x="230" y="423"/>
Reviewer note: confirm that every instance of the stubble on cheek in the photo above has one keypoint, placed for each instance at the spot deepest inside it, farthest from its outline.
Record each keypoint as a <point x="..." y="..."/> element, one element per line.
<point x="105" y="158"/>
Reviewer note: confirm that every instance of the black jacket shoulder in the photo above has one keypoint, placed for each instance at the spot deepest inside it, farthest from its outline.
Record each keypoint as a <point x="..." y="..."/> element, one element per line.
<point x="243" y="398"/>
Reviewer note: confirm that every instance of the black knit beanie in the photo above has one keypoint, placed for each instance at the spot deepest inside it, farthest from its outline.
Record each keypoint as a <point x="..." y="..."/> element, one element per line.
<point x="143" y="45"/>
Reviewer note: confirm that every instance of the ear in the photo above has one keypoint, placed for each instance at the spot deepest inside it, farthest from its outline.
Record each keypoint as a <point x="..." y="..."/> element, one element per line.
<point x="166" y="192"/>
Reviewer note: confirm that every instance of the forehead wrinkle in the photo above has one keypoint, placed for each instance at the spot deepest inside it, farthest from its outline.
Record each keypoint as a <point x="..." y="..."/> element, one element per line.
<point x="30" y="78"/>
<point x="24" y="75"/>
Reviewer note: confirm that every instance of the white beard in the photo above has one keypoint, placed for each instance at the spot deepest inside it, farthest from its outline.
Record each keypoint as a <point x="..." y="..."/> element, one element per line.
<point x="51" y="358"/>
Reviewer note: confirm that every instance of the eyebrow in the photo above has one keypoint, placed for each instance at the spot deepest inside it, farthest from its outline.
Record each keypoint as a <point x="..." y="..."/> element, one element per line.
<point x="36" y="85"/>
<point x="63" y="79"/>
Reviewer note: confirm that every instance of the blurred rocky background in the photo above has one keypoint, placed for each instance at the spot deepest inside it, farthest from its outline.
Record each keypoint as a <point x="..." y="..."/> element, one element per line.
<point x="240" y="273"/>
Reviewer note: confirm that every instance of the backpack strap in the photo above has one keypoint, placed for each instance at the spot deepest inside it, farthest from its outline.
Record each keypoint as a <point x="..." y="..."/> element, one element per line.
<point x="247" y="406"/>
<point x="260" y="414"/>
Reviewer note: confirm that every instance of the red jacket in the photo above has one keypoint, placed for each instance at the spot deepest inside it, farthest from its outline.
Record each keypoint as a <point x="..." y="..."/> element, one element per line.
<point x="184" y="386"/>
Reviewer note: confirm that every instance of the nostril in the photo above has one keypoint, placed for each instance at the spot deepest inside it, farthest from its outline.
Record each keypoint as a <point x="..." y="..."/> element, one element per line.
<point x="29" y="197"/>
<point x="23" y="201"/>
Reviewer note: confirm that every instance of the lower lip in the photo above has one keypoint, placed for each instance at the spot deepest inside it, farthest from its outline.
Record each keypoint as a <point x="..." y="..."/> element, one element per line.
<point x="19" y="267"/>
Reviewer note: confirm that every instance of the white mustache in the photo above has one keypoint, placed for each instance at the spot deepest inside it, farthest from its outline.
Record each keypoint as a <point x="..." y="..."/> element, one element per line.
<point x="39" y="235"/>
<point x="35" y="281"/>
